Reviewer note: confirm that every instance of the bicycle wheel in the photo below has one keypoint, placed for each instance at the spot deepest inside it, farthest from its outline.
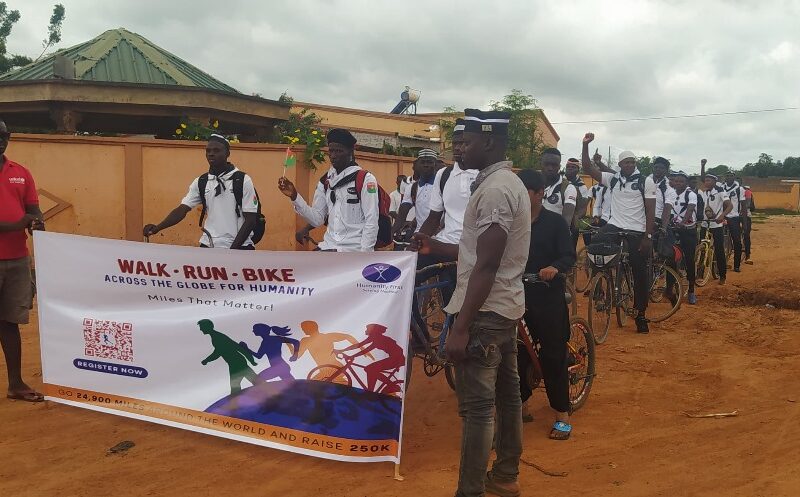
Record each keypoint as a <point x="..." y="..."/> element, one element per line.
<point x="625" y="294"/>
<point x="600" y="303"/>
<point x="331" y="374"/>
<point x="573" y="305"/>
<point x="580" y="362"/>
<point x="701" y="265"/>
<point x="582" y="271"/>
<point x="430" y="310"/>
<point x="661" y="306"/>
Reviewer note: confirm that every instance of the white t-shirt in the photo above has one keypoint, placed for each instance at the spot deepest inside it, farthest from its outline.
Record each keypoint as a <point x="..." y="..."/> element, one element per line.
<point x="422" y="202"/>
<point x="714" y="200"/>
<point x="601" y="202"/>
<point x="221" y="219"/>
<point x="662" y="191"/>
<point x="396" y="198"/>
<point x="627" y="202"/>
<point x="352" y="223"/>
<point x="552" y="200"/>
<point x="736" y="196"/>
<point x="680" y="203"/>
<point x="452" y="201"/>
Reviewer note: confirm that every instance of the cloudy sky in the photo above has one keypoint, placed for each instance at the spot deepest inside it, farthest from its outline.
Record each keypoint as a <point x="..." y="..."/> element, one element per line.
<point x="581" y="60"/>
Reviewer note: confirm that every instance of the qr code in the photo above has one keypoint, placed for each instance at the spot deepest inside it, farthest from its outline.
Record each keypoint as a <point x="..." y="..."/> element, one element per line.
<point x="108" y="339"/>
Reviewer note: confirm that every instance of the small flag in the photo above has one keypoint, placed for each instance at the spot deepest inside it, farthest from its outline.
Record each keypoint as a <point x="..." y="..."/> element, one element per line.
<point x="290" y="160"/>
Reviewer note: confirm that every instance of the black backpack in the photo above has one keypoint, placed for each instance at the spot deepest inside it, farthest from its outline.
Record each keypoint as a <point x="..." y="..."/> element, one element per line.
<point x="238" y="192"/>
<point x="640" y="179"/>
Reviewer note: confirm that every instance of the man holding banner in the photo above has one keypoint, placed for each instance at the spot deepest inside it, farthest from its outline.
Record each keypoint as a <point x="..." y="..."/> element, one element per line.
<point x="488" y="301"/>
<point x="19" y="210"/>
<point x="228" y="198"/>
<point x="351" y="215"/>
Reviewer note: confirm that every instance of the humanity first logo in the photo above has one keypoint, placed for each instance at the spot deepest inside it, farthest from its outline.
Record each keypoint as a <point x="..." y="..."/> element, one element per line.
<point x="381" y="275"/>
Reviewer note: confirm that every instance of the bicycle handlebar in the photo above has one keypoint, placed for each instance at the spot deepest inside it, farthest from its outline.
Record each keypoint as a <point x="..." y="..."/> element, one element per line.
<point x="533" y="278"/>
<point x="440" y="265"/>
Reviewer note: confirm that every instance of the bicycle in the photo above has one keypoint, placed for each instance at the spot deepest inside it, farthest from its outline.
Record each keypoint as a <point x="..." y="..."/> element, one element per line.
<point x="580" y="350"/>
<point x="388" y="383"/>
<point x="664" y="282"/>
<point x="429" y="323"/>
<point x="581" y="274"/>
<point x="611" y="286"/>
<point x="704" y="257"/>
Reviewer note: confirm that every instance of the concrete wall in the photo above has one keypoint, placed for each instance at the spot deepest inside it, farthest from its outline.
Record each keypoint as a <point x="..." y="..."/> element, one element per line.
<point x="116" y="185"/>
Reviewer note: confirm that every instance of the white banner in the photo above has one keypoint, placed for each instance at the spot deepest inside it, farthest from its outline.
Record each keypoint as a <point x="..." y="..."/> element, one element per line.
<point x="301" y="351"/>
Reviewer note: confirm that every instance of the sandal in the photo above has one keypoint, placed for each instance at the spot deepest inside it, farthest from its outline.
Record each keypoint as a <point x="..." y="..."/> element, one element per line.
<point x="26" y="396"/>
<point x="560" y="431"/>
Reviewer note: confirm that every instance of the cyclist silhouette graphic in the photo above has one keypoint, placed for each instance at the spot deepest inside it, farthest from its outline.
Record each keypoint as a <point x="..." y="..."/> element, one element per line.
<point x="272" y="346"/>
<point x="234" y="355"/>
<point x="376" y="339"/>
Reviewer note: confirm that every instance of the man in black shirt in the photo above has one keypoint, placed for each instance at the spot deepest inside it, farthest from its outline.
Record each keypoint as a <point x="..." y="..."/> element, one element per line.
<point x="547" y="316"/>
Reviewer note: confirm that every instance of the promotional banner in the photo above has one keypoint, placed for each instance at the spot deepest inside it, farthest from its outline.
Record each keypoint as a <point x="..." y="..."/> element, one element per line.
<point x="300" y="351"/>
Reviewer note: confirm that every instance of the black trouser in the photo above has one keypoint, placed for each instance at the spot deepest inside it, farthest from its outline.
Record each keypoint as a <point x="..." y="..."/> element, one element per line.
<point x="747" y="224"/>
<point x="735" y="229"/>
<point x="547" y="317"/>
<point x="639" y="263"/>
<point x="574" y="232"/>
<point x="688" y="240"/>
<point x="719" y="251"/>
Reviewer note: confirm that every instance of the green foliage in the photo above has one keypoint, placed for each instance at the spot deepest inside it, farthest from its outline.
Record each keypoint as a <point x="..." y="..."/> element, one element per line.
<point x="54" y="28"/>
<point x="645" y="165"/>
<point x="8" y="18"/>
<point x="400" y="150"/>
<point x="766" y="166"/>
<point x="302" y="128"/>
<point x="525" y="143"/>
<point x="447" y="123"/>
<point x="189" y="129"/>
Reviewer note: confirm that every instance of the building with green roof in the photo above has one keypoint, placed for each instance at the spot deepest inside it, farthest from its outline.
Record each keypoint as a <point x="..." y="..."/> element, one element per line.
<point x="120" y="82"/>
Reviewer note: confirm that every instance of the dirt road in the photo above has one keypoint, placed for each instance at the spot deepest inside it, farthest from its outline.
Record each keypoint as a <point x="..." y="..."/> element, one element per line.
<point x="730" y="352"/>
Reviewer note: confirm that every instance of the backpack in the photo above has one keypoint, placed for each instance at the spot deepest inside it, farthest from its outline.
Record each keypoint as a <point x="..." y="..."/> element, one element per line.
<point x="384" y="202"/>
<point x="238" y="192"/>
<point x="701" y="207"/>
<point x="640" y="179"/>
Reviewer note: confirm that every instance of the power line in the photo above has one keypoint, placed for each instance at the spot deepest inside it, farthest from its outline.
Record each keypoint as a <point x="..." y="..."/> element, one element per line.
<point x="687" y="116"/>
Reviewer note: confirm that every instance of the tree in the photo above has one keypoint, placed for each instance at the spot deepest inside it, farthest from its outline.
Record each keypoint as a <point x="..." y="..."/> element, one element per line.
<point x="525" y="143"/>
<point x="8" y="18"/>
<point x="645" y="165"/>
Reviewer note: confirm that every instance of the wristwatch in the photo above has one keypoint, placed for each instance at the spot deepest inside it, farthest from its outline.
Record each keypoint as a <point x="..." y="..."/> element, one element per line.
<point x="649" y="236"/>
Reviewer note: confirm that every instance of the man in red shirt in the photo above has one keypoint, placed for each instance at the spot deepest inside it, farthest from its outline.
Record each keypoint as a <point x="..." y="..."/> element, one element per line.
<point x="19" y="210"/>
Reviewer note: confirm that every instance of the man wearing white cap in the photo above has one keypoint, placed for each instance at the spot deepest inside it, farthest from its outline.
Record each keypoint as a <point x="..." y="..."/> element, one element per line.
<point x="633" y="206"/>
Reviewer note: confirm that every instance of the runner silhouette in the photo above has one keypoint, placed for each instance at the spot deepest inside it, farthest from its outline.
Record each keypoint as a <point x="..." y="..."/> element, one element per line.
<point x="272" y="346"/>
<point x="321" y="346"/>
<point x="234" y="355"/>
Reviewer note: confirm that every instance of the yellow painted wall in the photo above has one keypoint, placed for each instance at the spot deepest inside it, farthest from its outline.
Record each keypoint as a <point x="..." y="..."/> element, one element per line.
<point x="116" y="185"/>
<point x="788" y="200"/>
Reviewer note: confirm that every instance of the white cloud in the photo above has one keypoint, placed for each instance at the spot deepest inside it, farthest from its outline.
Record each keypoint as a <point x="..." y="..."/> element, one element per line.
<point x="581" y="59"/>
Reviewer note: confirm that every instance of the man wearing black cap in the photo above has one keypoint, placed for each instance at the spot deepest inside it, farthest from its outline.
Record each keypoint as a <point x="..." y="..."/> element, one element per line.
<point x="488" y="301"/>
<point x="228" y="224"/>
<point x="560" y="196"/>
<point x="352" y="215"/>
<point x="659" y="177"/>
